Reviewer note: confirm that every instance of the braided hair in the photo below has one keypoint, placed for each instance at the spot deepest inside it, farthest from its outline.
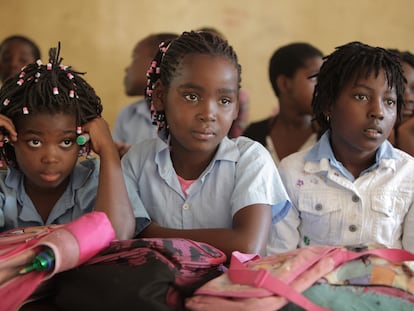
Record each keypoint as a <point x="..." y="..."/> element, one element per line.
<point x="47" y="88"/>
<point x="170" y="56"/>
<point x="354" y="60"/>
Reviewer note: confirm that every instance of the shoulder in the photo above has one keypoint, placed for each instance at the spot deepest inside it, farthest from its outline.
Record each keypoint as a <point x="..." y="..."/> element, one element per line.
<point x="132" y="109"/>
<point x="258" y="130"/>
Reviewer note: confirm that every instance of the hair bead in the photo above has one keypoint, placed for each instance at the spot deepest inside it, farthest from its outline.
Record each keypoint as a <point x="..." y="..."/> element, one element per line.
<point x="25" y="110"/>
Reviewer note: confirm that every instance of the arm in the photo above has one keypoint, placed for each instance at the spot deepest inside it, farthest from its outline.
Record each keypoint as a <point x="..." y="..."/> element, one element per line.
<point x="248" y="234"/>
<point x="112" y="196"/>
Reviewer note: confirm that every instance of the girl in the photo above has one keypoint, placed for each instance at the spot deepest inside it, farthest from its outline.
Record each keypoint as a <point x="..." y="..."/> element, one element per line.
<point x="403" y="134"/>
<point x="15" y="53"/>
<point x="194" y="181"/>
<point x="43" y="110"/>
<point x="352" y="187"/>
<point x="292" y="70"/>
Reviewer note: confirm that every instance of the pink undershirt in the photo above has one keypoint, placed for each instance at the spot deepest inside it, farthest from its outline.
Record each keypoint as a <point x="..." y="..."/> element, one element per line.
<point x="185" y="184"/>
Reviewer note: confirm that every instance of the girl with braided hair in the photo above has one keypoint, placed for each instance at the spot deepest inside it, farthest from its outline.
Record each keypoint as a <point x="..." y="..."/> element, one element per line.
<point x="352" y="187"/>
<point x="43" y="110"/>
<point x="193" y="180"/>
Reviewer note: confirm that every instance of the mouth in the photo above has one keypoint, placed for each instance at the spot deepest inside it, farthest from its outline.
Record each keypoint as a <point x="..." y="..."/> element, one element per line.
<point x="50" y="177"/>
<point x="373" y="132"/>
<point x="204" y="134"/>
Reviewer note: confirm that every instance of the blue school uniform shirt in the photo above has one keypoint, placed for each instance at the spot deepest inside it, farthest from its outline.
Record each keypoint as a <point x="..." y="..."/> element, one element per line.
<point x="331" y="207"/>
<point x="17" y="210"/>
<point x="241" y="173"/>
<point x="134" y="124"/>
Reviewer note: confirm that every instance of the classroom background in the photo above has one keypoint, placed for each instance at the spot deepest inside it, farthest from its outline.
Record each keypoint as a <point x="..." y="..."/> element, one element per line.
<point x="98" y="36"/>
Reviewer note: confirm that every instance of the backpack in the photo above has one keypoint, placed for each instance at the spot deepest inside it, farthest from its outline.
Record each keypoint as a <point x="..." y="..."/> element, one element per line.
<point x="330" y="277"/>
<point x="70" y="245"/>
<point x="141" y="274"/>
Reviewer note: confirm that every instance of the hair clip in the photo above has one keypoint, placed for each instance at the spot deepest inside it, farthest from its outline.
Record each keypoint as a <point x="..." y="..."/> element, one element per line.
<point x="25" y="110"/>
<point x="55" y="91"/>
<point x="6" y="102"/>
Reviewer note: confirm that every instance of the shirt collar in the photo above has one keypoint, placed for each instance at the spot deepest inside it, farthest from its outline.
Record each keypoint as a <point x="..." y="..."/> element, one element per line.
<point x="385" y="156"/>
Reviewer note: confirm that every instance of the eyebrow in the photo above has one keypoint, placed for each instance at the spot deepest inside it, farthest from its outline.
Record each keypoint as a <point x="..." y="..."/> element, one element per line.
<point x="200" y="88"/>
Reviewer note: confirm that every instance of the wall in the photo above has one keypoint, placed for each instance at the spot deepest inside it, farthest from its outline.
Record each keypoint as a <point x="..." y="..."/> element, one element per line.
<point x="98" y="36"/>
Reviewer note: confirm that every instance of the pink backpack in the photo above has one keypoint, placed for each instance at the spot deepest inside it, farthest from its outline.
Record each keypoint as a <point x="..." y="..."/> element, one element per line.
<point x="72" y="244"/>
<point x="142" y="274"/>
<point x="271" y="282"/>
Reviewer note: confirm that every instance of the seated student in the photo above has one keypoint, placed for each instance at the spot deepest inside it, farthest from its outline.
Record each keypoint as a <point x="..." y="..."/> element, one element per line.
<point x="43" y="110"/>
<point x="403" y="135"/>
<point x="353" y="186"/>
<point x="16" y="52"/>
<point x="292" y="70"/>
<point x="193" y="180"/>
<point x="133" y="123"/>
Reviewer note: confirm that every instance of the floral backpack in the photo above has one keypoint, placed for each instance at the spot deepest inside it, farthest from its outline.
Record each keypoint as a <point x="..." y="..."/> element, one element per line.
<point x="313" y="278"/>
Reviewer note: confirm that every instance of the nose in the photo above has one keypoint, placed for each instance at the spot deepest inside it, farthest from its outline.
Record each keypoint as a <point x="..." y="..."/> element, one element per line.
<point x="50" y="155"/>
<point x="208" y="111"/>
<point x="376" y="110"/>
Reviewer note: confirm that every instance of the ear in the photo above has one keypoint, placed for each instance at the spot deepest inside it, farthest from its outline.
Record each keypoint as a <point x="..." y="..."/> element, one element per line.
<point x="282" y="83"/>
<point x="158" y="96"/>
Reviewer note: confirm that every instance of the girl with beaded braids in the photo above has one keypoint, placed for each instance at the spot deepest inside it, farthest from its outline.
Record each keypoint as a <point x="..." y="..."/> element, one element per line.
<point x="193" y="180"/>
<point x="352" y="187"/>
<point x="43" y="110"/>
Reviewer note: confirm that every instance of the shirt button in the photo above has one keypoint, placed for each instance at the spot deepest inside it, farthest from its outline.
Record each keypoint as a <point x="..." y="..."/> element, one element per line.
<point x="352" y="228"/>
<point x="186" y="206"/>
<point x="318" y="207"/>
<point x="355" y="198"/>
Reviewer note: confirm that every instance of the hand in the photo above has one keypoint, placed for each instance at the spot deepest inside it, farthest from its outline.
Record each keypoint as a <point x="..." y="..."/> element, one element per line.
<point x="7" y="129"/>
<point x="100" y="135"/>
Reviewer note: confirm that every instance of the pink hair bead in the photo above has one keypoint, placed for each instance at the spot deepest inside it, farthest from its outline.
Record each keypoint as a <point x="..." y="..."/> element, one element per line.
<point x="25" y="110"/>
<point x="49" y="66"/>
<point x="71" y="93"/>
<point x="55" y="91"/>
<point x="6" y="102"/>
<point x="20" y="82"/>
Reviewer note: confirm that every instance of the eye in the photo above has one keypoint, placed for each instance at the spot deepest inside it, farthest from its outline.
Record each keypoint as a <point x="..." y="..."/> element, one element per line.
<point x="34" y="143"/>
<point x="66" y="143"/>
<point x="390" y="102"/>
<point x="225" y="101"/>
<point x="191" y="97"/>
<point x="361" y="97"/>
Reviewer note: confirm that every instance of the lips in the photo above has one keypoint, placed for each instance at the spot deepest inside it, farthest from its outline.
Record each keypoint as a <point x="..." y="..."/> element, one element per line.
<point x="204" y="134"/>
<point x="50" y="177"/>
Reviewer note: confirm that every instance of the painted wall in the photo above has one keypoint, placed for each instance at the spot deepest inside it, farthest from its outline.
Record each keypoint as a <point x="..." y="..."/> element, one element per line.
<point x="98" y="36"/>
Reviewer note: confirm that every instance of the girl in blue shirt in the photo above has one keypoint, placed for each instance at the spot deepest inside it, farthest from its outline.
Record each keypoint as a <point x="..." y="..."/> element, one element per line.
<point x="193" y="181"/>
<point x="43" y="109"/>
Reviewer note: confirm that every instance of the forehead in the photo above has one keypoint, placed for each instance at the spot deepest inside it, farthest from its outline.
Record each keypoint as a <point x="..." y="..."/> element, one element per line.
<point x="47" y="122"/>
<point x="16" y="46"/>
<point x="212" y="67"/>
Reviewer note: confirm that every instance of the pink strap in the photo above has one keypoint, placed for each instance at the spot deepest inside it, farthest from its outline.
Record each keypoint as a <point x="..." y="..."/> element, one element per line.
<point x="263" y="279"/>
<point x="240" y="274"/>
